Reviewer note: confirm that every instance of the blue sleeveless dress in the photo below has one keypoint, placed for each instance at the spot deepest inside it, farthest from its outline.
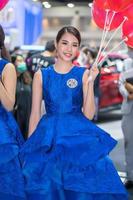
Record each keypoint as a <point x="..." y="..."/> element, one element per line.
<point x="11" y="178"/>
<point x="66" y="158"/>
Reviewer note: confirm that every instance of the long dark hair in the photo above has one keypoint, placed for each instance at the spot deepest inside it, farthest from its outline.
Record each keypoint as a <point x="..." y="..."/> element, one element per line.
<point x="4" y="53"/>
<point x="68" y="29"/>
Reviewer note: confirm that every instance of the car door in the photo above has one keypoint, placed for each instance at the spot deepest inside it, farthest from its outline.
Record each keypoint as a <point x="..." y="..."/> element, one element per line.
<point x="109" y="91"/>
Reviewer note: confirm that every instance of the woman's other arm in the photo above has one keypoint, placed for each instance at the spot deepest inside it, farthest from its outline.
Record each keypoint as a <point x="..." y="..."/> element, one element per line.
<point x="36" y="102"/>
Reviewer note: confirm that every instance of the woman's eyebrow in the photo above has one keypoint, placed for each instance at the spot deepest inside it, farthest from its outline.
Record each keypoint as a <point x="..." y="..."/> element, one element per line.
<point x="72" y="42"/>
<point x="64" y="40"/>
<point x="75" y="43"/>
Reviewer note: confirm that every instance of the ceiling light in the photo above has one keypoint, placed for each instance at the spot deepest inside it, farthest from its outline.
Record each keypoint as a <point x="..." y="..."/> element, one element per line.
<point x="46" y="4"/>
<point x="90" y="5"/>
<point x="70" y="5"/>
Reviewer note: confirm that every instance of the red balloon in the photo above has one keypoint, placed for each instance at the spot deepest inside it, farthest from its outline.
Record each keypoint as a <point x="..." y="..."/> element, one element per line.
<point x="128" y="12"/>
<point x="99" y="16"/>
<point x="127" y="31"/>
<point x="103" y="4"/>
<point x="3" y="3"/>
<point x="118" y="5"/>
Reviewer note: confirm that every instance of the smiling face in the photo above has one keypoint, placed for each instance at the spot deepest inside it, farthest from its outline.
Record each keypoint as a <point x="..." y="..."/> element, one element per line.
<point x="67" y="47"/>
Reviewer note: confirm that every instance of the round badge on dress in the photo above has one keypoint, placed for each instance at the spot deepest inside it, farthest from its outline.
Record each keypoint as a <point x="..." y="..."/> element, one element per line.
<point x="72" y="83"/>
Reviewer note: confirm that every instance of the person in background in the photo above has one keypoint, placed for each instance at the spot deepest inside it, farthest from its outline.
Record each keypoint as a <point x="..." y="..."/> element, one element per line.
<point x="22" y="108"/>
<point x="126" y="89"/>
<point x="15" y="50"/>
<point x="43" y="59"/>
<point x="11" y="179"/>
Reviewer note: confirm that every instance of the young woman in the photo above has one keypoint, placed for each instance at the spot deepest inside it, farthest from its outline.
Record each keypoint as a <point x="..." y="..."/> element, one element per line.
<point x="11" y="179"/>
<point x="66" y="157"/>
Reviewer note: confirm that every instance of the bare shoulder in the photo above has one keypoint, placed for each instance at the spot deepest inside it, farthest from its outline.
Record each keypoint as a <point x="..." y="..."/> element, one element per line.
<point x="9" y="71"/>
<point x="38" y="73"/>
<point x="38" y="77"/>
<point x="85" y="75"/>
<point x="9" y="67"/>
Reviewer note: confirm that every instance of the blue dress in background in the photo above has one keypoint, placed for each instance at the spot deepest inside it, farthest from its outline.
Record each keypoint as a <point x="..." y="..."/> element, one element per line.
<point x="11" y="178"/>
<point x="66" y="158"/>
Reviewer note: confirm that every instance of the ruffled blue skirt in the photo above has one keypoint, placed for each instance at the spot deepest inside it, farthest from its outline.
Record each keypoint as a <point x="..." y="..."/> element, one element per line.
<point x="11" y="178"/>
<point x="66" y="158"/>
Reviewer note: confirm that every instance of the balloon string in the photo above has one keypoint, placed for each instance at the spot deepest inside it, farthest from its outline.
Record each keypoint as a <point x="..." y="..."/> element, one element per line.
<point x="110" y="22"/>
<point x="112" y="36"/>
<point x="104" y="34"/>
<point x="107" y="27"/>
<point x="103" y="37"/>
<point x="111" y="51"/>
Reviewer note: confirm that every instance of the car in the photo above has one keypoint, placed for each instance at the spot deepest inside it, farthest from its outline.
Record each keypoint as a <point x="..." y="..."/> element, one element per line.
<point x="109" y="95"/>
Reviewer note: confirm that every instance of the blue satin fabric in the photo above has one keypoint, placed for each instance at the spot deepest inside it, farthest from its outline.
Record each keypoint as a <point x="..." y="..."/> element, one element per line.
<point x="66" y="158"/>
<point x="11" y="178"/>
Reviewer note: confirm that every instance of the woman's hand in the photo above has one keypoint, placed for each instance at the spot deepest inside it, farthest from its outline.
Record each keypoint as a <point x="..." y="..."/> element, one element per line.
<point x="94" y="71"/>
<point x="91" y="74"/>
